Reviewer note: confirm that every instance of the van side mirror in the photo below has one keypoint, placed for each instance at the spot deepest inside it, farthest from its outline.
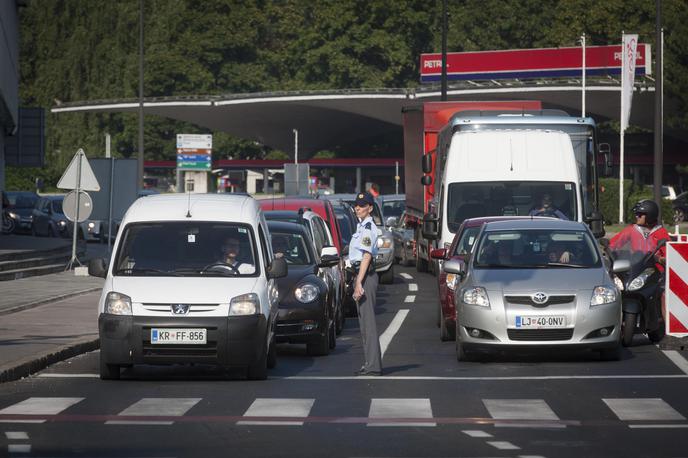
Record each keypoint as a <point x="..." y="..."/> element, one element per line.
<point x="426" y="163"/>
<point x="277" y="268"/>
<point x="430" y="229"/>
<point x="426" y="180"/>
<point x="97" y="267"/>
<point x="596" y="222"/>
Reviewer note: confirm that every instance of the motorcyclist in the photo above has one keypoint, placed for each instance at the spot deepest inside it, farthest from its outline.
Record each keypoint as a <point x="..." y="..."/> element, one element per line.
<point x="644" y="236"/>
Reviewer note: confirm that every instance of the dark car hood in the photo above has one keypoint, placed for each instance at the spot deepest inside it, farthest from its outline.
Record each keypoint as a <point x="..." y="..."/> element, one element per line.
<point x="296" y="274"/>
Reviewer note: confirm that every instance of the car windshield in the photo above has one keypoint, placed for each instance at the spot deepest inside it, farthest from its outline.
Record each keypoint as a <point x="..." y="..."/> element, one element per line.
<point x="474" y="200"/>
<point x="393" y="208"/>
<point x="292" y="247"/>
<point x="57" y="206"/>
<point x="186" y="249"/>
<point x="21" y="200"/>
<point x="532" y="249"/>
<point x="467" y="240"/>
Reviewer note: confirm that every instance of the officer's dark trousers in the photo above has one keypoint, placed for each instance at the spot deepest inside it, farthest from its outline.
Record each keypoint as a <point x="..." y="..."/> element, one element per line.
<point x="366" y="320"/>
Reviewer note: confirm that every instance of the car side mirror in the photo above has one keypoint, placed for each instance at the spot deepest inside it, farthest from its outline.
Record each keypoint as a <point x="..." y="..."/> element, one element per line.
<point x="392" y="221"/>
<point x="97" y="267"/>
<point x="277" y="268"/>
<point x="454" y="266"/>
<point x="621" y="265"/>
<point x="438" y="253"/>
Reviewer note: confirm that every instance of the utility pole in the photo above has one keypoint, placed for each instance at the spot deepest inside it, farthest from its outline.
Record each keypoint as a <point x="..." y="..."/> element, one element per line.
<point x="659" y="122"/>
<point x="444" y="51"/>
<point x="140" y="154"/>
<point x="296" y="145"/>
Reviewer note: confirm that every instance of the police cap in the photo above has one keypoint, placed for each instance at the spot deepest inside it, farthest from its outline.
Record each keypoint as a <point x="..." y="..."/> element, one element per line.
<point x="364" y="199"/>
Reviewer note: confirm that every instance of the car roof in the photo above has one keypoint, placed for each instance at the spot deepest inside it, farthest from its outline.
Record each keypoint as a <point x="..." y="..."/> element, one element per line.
<point x="392" y="197"/>
<point x="287" y="226"/>
<point x="195" y="207"/>
<point x="292" y="203"/>
<point x="479" y="221"/>
<point x="534" y="223"/>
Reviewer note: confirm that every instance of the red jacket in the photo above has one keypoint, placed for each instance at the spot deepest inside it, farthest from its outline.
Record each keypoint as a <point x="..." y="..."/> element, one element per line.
<point x="634" y="238"/>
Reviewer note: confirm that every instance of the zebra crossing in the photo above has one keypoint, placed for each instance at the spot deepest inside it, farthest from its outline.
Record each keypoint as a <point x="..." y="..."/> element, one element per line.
<point x="382" y="412"/>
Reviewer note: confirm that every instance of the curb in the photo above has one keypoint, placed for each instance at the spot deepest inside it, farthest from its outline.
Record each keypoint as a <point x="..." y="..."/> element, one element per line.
<point x="29" y="305"/>
<point x="27" y="366"/>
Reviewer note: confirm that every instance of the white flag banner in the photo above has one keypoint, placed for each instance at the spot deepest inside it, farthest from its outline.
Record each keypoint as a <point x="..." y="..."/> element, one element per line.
<point x="628" y="56"/>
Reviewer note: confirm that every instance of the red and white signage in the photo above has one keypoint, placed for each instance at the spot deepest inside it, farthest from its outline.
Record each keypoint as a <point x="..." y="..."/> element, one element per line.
<point x="532" y="63"/>
<point x="677" y="289"/>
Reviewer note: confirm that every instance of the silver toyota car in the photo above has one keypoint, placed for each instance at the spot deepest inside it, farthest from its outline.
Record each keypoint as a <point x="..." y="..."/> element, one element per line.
<point x="535" y="284"/>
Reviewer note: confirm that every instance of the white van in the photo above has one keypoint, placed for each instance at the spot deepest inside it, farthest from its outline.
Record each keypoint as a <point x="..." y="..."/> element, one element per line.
<point x="191" y="280"/>
<point x="508" y="173"/>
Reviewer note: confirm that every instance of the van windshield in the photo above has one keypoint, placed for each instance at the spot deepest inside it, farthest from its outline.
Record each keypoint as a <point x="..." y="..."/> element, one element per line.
<point x="510" y="198"/>
<point x="186" y="249"/>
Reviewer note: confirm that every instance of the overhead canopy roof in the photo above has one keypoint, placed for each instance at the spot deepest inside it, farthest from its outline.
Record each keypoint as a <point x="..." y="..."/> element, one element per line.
<point x="348" y="117"/>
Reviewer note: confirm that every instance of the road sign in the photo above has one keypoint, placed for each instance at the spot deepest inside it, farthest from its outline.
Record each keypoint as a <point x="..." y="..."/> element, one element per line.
<point x="677" y="289"/>
<point x="70" y="178"/>
<point x="194" y="152"/>
<point x="69" y="206"/>
<point x="201" y="141"/>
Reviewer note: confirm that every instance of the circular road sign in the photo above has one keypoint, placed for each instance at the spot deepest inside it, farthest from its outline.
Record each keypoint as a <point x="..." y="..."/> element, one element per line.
<point x="85" y="206"/>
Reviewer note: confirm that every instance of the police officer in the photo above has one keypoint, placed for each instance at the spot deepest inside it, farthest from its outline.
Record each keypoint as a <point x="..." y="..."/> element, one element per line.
<point x="362" y="251"/>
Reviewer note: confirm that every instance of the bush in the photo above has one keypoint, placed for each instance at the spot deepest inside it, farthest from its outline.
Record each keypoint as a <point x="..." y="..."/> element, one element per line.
<point x="609" y="201"/>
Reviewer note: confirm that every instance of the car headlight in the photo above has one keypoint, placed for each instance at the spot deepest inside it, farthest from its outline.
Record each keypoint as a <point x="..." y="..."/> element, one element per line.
<point x="602" y="295"/>
<point x="452" y="281"/>
<point x="307" y="292"/>
<point x="476" y="296"/>
<point x="117" y="304"/>
<point x="619" y="284"/>
<point x="91" y="225"/>
<point x="246" y="304"/>
<point x="13" y="215"/>
<point x="639" y="281"/>
<point x="62" y="223"/>
<point x="384" y="242"/>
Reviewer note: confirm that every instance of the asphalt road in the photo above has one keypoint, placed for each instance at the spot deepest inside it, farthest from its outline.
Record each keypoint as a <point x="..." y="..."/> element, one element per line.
<point x="427" y="405"/>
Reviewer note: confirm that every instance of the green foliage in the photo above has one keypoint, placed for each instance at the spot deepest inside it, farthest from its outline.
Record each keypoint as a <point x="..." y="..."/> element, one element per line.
<point x="609" y="201"/>
<point x="24" y="178"/>
<point x="277" y="155"/>
<point x="324" y="154"/>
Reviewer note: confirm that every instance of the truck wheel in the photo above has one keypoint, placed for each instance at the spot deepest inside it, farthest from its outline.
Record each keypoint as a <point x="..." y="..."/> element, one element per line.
<point x="387" y="277"/>
<point x="628" y="328"/>
<point x="108" y="371"/>
<point x="259" y="369"/>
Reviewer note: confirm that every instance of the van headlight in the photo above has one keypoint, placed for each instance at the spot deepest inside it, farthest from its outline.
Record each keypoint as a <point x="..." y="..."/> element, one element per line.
<point x="246" y="304"/>
<point x="639" y="281"/>
<point x="307" y="292"/>
<point x="384" y="242"/>
<point x="117" y="304"/>
<point x="475" y="296"/>
<point x="602" y="295"/>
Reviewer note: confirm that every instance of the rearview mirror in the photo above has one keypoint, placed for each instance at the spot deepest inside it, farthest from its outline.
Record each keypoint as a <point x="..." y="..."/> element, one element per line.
<point x="391" y="221"/>
<point x="430" y="229"/>
<point x="426" y="180"/>
<point x="277" y="268"/>
<point x="97" y="267"/>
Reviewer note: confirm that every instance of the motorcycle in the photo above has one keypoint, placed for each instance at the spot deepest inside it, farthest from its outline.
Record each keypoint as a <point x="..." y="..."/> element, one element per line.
<point x="641" y="285"/>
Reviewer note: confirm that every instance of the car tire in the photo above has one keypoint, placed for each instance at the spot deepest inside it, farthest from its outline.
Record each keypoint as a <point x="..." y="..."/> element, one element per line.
<point x="333" y="336"/>
<point x="341" y="318"/>
<point x="461" y="354"/>
<point x="320" y="345"/>
<point x="447" y="333"/>
<point x="628" y="328"/>
<point x="33" y="231"/>
<point x="108" y="371"/>
<point x="259" y="369"/>
<point x="272" y="354"/>
<point x="387" y="277"/>
<point x="421" y="264"/>
<point x="51" y="232"/>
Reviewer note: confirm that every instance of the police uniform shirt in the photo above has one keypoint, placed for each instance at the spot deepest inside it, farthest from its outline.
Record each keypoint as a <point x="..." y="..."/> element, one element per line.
<point x="364" y="240"/>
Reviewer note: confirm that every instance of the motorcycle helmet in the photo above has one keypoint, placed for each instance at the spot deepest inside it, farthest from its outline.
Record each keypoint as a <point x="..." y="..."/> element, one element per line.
<point x="648" y="208"/>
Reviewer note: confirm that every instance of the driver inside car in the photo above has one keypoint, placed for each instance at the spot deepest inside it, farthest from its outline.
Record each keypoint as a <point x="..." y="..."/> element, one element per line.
<point x="231" y="250"/>
<point x="547" y="208"/>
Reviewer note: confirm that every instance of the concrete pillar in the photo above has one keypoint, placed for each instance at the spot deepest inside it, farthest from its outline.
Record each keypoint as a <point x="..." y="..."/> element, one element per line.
<point x="266" y="177"/>
<point x="359" y="179"/>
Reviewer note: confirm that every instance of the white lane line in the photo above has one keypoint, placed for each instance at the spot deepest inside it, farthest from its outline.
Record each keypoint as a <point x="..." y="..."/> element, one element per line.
<point x="152" y="407"/>
<point x="412" y="378"/>
<point x="16" y="435"/>
<point x="400" y="408"/>
<point x="656" y="426"/>
<point x="503" y="445"/>
<point x="39" y="406"/>
<point x="410" y="299"/>
<point x="521" y="409"/>
<point x="22" y="421"/>
<point x="392" y="329"/>
<point x="278" y="407"/>
<point x="476" y="433"/>
<point x="634" y="409"/>
<point x="413" y="286"/>
<point x="406" y="276"/>
<point x="677" y="359"/>
<point x="58" y="375"/>
<point x="19" y="448"/>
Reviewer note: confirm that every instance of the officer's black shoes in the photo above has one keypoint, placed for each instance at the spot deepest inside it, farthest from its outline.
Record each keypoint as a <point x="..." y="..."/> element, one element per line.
<point x="367" y="372"/>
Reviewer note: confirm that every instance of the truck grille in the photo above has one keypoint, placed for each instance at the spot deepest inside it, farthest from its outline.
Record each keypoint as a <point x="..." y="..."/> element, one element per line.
<point x="539" y="334"/>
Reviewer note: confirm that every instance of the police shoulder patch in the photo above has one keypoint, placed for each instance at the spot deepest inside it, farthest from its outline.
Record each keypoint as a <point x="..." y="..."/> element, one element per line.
<point x="366" y="241"/>
<point x="368" y="225"/>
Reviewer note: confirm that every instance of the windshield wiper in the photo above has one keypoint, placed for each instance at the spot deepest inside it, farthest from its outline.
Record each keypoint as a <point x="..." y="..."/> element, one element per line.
<point x="140" y="270"/>
<point x="562" y="264"/>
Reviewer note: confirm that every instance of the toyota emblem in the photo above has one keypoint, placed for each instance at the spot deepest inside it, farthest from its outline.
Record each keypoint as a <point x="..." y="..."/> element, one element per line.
<point x="180" y="309"/>
<point x="540" y="298"/>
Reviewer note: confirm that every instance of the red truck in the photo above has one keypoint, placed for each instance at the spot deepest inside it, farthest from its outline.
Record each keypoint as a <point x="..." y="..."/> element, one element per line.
<point x="422" y="124"/>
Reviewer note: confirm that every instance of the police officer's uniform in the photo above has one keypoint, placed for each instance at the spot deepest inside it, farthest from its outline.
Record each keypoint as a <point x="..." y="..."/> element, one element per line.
<point x="364" y="240"/>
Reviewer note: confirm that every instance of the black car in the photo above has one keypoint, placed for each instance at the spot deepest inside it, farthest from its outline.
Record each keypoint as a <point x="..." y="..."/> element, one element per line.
<point x="306" y="308"/>
<point x="19" y="206"/>
<point x="680" y="205"/>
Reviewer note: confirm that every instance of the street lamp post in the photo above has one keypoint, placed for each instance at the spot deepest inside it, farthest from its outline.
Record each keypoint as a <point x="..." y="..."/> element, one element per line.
<point x="296" y="145"/>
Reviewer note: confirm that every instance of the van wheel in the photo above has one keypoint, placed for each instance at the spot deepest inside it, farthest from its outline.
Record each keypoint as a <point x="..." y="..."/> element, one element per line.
<point x="259" y="369"/>
<point x="387" y="277"/>
<point x="272" y="354"/>
<point x="108" y="371"/>
<point x="320" y="346"/>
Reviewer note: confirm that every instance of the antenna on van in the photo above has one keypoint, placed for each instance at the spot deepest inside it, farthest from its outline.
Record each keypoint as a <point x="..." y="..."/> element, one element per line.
<point x="188" y="204"/>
